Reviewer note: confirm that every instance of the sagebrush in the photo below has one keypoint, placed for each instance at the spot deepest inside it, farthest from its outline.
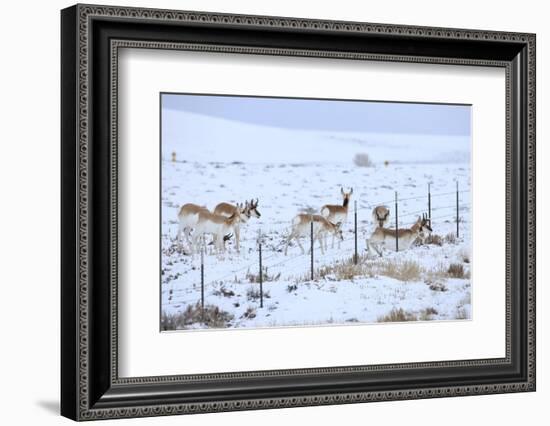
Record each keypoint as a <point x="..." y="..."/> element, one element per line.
<point x="211" y="316"/>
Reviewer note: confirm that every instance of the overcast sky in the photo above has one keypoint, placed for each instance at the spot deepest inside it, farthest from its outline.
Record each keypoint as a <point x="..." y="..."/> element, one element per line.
<point x="330" y="115"/>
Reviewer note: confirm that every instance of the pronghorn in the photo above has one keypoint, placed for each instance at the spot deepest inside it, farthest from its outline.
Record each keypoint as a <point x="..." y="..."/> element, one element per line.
<point x="252" y="209"/>
<point x="217" y="225"/>
<point x="380" y="215"/>
<point x="301" y="226"/>
<point x="406" y="237"/>
<point x="426" y="232"/>
<point x="334" y="213"/>
<point x="249" y="210"/>
<point x="188" y="217"/>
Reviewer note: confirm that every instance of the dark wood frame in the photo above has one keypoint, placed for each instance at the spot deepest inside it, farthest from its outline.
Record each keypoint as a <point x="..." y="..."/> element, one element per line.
<point x="91" y="37"/>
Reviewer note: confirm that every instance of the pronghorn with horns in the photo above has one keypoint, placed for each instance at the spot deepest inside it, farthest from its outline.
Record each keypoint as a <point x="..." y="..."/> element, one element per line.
<point x="202" y="221"/>
<point x="217" y="225"/>
<point x="406" y="236"/>
<point x="250" y="209"/>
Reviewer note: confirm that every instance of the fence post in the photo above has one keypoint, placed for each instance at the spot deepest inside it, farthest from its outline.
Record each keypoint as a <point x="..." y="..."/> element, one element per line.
<point x="355" y="257"/>
<point x="261" y="271"/>
<point x="396" y="224"/>
<point x="457" y="208"/>
<point x="430" y="203"/>
<point x="202" y="279"/>
<point x="311" y="249"/>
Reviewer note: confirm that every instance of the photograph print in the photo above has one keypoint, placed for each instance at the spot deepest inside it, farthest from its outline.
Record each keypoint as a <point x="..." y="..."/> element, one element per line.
<point x="280" y="212"/>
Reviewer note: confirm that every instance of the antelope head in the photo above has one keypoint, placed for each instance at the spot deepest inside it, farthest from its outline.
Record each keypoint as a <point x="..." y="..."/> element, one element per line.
<point x="381" y="213"/>
<point x="252" y="209"/>
<point x="338" y="230"/>
<point x="424" y="223"/>
<point x="242" y="213"/>
<point x="346" y="196"/>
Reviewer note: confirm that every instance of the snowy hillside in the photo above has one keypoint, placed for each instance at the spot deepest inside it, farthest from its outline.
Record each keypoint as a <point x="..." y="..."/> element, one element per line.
<point x="201" y="138"/>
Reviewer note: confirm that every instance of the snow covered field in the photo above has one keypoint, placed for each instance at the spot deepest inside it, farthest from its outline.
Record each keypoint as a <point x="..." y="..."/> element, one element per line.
<point x="290" y="297"/>
<point x="427" y="282"/>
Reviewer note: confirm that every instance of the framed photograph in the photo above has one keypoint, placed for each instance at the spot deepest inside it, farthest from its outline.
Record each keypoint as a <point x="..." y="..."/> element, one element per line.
<point x="263" y="212"/>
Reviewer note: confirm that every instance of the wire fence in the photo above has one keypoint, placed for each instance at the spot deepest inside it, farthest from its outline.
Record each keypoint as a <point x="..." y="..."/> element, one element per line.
<point x="257" y="270"/>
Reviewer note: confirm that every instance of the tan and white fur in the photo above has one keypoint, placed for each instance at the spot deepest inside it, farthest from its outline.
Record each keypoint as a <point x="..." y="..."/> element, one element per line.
<point x="227" y="209"/>
<point x="385" y="238"/>
<point x="188" y="217"/>
<point x="216" y="225"/>
<point x="336" y="213"/>
<point x="380" y="216"/>
<point x="301" y="227"/>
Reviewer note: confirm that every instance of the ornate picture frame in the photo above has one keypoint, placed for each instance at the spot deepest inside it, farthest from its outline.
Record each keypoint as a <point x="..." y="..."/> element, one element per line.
<point x="91" y="37"/>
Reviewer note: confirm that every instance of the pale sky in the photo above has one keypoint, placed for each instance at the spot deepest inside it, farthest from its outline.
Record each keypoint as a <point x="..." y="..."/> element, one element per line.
<point x="330" y="115"/>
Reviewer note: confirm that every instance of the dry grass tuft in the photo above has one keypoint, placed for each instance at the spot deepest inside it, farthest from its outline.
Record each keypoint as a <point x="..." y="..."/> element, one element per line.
<point x="211" y="316"/>
<point x="253" y="293"/>
<point x="398" y="315"/>
<point x="249" y="313"/>
<point x="442" y="272"/>
<point x="427" y="314"/>
<point x="344" y="270"/>
<point x="255" y="278"/>
<point x="407" y="270"/>
<point x="436" y="240"/>
<point x="456" y="270"/>
<point x="222" y="291"/>
<point x="450" y="238"/>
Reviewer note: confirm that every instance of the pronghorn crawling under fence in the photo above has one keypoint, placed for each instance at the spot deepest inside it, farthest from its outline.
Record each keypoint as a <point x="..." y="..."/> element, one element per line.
<point x="381" y="236"/>
<point x="250" y="209"/>
<point x="380" y="215"/>
<point x="336" y="213"/>
<point x="301" y="227"/>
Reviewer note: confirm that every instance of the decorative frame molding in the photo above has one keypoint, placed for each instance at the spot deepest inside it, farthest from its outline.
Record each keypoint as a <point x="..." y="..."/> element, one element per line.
<point x="91" y="388"/>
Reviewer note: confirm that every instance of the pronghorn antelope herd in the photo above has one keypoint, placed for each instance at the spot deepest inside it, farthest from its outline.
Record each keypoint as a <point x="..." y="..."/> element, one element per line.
<point x="196" y="222"/>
